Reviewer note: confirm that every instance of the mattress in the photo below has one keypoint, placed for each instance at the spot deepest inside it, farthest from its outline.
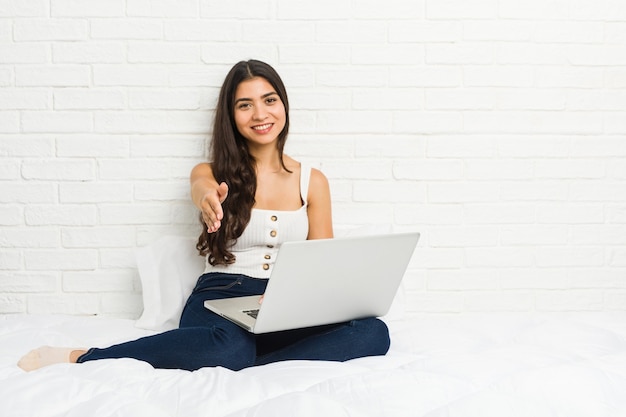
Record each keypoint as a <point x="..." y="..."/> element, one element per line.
<point x="466" y="365"/>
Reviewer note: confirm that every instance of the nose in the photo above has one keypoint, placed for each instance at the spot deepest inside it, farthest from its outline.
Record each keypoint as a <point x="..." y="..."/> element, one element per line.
<point x="259" y="113"/>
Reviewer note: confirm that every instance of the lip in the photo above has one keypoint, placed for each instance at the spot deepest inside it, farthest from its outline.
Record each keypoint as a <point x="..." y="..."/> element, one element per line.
<point x="263" y="129"/>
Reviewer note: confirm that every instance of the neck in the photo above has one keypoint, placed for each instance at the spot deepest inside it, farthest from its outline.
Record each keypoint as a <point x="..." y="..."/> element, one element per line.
<point x="267" y="159"/>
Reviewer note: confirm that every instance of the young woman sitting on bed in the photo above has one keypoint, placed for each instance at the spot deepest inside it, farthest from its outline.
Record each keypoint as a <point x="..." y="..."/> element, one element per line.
<point x="252" y="198"/>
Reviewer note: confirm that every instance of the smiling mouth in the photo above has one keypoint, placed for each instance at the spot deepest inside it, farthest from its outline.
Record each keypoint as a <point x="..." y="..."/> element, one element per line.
<point x="262" y="127"/>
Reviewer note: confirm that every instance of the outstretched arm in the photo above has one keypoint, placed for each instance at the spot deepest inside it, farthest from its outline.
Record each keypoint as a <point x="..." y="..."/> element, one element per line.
<point x="208" y="195"/>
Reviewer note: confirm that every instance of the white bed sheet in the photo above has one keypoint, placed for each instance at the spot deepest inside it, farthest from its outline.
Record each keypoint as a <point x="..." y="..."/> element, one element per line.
<point x="503" y="365"/>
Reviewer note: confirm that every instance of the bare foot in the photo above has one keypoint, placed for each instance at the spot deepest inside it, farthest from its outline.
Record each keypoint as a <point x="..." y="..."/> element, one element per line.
<point x="47" y="355"/>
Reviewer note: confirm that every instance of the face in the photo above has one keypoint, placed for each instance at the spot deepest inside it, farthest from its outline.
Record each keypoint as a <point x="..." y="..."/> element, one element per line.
<point x="259" y="111"/>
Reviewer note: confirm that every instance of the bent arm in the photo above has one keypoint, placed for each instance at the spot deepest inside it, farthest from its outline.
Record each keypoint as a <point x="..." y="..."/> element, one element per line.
<point x="319" y="207"/>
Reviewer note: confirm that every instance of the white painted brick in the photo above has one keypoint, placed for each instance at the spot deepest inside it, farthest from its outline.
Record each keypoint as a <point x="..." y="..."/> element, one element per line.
<point x="50" y="30"/>
<point x="531" y="99"/>
<point x="597" y="191"/>
<point x="130" y="75"/>
<point x="59" y="170"/>
<point x="89" y="52"/>
<point x="462" y="53"/>
<point x="401" y="31"/>
<point x="97" y="237"/>
<point x="92" y="99"/>
<point x="84" y="304"/>
<point x="455" y="280"/>
<point x="446" y="302"/>
<point x="105" y="281"/>
<point x="164" y="99"/>
<point x="575" y="77"/>
<point x="61" y="259"/>
<point x="574" y="300"/>
<point x="65" y="215"/>
<point x="534" y="191"/>
<point x="358" y="169"/>
<point x="392" y="10"/>
<point x="122" y="305"/>
<point x="134" y="214"/>
<point x="316" y="53"/>
<point x="353" y="32"/>
<point x="18" y="282"/>
<point x="528" y="235"/>
<point x="616" y="214"/>
<point x="497" y="30"/>
<point x="258" y="31"/>
<point x="58" y="122"/>
<point x="111" y="258"/>
<point x="361" y="214"/>
<point x="132" y="169"/>
<point x="10" y="170"/>
<point x="615" y="301"/>
<point x="570" y="257"/>
<point x="6" y="76"/>
<point x="427" y="122"/>
<point x="244" y="9"/>
<point x="6" y="30"/>
<point x="202" y="30"/>
<point x="460" y="192"/>
<point x="425" y="76"/>
<point x="29" y="53"/>
<point x="29" y="237"/>
<point x="497" y="76"/>
<point x="10" y="260"/>
<point x="535" y="122"/>
<point x="500" y="257"/>
<point x="504" y="169"/>
<point x="162" y="8"/>
<point x="53" y="76"/>
<point x="153" y="122"/>
<point x="459" y="9"/>
<point x="597" y="55"/>
<point x="532" y="9"/>
<point x="323" y="99"/>
<point x="95" y="192"/>
<point x="575" y="168"/>
<point x="320" y="10"/>
<point x="509" y="213"/>
<point x="92" y="146"/>
<point x="87" y="8"/>
<point x="402" y="192"/>
<point x="511" y="301"/>
<point x="28" y="192"/>
<point x="429" y="170"/>
<point x="532" y="54"/>
<point x="352" y="77"/>
<point x="20" y="8"/>
<point x="353" y="122"/>
<point x="617" y="257"/>
<point x="10" y="304"/>
<point x="126" y="28"/>
<point x="534" y="146"/>
<point x="534" y="278"/>
<point x="23" y="99"/>
<point x="229" y="53"/>
<point x="568" y="32"/>
<point x="459" y="99"/>
<point x="170" y="52"/>
<point x="429" y="214"/>
<point x="615" y="77"/>
<point x="466" y="146"/>
<point x="163" y="146"/>
<point x="438" y="258"/>
<point x="598" y="235"/>
<point x="11" y="215"/>
<point x="388" y="54"/>
<point x="397" y="146"/>
<point x="162" y="191"/>
<point x="566" y="213"/>
<point x="615" y="122"/>
<point x="460" y="237"/>
<point x="319" y="147"/>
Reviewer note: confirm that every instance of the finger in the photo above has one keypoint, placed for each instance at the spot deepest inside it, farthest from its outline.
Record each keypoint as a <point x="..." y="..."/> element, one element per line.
<point x="222" y="191"/>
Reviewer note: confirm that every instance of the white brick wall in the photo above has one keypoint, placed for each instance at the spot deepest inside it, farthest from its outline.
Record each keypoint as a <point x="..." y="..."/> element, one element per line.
<point x="495" y="127"/>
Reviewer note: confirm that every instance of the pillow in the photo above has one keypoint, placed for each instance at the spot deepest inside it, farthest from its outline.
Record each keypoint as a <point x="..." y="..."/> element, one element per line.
<point x="169" y="269"/>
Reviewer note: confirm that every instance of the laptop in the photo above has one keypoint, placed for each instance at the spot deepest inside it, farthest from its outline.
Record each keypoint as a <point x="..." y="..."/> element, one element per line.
<point x="326" y="281"/>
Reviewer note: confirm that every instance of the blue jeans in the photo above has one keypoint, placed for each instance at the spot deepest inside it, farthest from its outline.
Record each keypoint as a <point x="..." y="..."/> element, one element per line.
<point x="206" y="339"/>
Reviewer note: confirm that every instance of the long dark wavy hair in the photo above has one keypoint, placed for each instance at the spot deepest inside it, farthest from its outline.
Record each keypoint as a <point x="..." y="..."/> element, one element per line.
<point x="233" y="164"/>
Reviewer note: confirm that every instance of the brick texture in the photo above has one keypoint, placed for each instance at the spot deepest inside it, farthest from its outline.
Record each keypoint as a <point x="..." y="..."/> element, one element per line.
<point x="494" y="127"/>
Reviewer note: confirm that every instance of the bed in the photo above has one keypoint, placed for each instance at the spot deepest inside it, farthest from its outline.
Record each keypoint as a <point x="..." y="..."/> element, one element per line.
<point x="513" y="364"/>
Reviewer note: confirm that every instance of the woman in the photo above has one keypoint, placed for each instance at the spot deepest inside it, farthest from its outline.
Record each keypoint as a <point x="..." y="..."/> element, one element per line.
<point x="251" y="198"/>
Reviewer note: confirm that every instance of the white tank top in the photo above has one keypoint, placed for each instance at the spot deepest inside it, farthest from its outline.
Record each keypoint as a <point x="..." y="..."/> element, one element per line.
<point x="255" y="250"/>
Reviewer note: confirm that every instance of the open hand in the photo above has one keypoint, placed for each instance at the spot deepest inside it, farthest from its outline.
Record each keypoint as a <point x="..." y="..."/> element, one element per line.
<point x="212" y="212"/>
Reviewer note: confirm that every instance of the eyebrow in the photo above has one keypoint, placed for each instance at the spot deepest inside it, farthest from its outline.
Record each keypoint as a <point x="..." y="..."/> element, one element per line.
<point x="266" y="95"/>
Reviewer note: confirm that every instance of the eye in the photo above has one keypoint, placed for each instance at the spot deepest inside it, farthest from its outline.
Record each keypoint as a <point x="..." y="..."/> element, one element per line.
<point x="244" y="106"/>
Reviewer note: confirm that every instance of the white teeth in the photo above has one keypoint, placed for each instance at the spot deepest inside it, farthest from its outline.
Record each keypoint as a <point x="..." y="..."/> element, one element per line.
<point x="262" y="127"/>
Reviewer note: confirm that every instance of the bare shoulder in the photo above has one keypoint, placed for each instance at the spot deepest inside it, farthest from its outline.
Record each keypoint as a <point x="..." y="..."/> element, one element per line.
<point x="202" y="170"/>
<point x="318" y="185"/>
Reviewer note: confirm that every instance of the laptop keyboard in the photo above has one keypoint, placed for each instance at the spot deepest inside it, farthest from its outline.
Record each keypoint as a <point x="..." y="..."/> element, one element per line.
<point x="252" y="313"/>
